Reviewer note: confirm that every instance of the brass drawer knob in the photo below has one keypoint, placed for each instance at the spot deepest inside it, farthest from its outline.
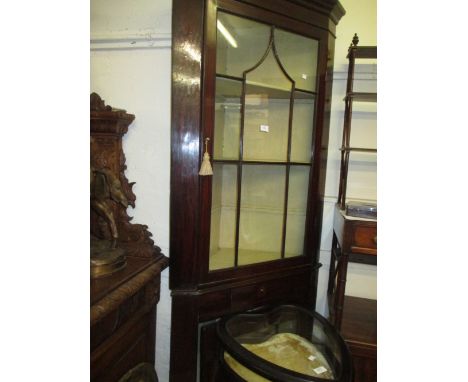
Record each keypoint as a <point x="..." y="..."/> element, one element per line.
<point x="375" y="239"/>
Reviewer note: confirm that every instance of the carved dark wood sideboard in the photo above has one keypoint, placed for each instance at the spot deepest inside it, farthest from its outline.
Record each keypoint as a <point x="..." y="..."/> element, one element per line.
<point x="123" y="303"/>
<point x="123" y="318"/>
<point x="251" y="85"/>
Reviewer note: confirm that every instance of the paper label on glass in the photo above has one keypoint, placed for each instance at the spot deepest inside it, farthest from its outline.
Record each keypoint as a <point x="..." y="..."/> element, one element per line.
<point x="265" y="128"/>
<point x="320" y="370"/>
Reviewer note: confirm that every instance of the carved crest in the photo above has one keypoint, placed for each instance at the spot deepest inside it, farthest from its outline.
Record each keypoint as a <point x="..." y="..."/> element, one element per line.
<point x="97" y="104"/>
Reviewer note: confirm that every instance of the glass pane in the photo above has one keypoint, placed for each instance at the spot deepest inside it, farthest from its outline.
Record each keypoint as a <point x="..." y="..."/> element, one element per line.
<point x="266" y="119"/>
<point x="297" y="208"/>
<point x="241" y="43"/>
<point x="302" y="127"/>
<point x="227" y="119"/>
<point x="223" y="216"/>
<point x="298" y="54"/>
<point x="270" y="75"/>
<point x="261" y="217"/>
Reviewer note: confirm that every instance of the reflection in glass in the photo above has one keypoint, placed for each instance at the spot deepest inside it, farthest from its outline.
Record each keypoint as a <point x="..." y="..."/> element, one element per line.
<point x="266" y="119"/>
<point x="227" y="119"/>
<point x="261" y="215"/>
<point x="297" y="207"/>
<point x="250" y="43"/>
<point x="223" y="216"/>
<point x="302" y="127"/>
<point x="298" y="54"/>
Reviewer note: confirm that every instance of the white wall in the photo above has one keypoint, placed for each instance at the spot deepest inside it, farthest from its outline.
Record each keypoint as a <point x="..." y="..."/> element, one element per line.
<point x="130" y="69"/>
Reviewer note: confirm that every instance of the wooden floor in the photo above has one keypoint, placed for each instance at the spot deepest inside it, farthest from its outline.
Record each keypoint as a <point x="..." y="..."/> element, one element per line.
<point x="359" y="329"/>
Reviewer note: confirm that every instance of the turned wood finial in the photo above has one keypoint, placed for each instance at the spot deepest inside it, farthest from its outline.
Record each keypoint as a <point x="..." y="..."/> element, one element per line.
<point x="355" y="39"/>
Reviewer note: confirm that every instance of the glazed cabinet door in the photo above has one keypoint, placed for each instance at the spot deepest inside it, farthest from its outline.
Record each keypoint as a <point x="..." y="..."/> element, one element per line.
<point x="261" y="88"/>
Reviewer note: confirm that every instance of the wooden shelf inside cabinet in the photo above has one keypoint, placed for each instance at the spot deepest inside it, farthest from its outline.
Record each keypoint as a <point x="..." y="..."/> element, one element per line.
<point x="230" y="86"/>
<point x="359" y="149"/>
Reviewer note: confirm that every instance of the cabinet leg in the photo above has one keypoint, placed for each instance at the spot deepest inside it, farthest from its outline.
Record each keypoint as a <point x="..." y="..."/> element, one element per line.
<point x="331" y="273"/>
<point x="340" y="289"/>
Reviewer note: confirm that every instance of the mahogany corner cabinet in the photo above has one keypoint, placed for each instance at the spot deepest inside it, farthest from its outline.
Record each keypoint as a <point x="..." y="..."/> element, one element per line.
<point x="251" y="99"/>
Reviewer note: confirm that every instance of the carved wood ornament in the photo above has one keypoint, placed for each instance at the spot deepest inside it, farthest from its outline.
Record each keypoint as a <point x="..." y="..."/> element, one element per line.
<point x="108" y="126"/>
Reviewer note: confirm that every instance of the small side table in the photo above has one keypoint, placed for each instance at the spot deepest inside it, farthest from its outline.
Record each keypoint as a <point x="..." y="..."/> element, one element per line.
<point x="354" y="240"/>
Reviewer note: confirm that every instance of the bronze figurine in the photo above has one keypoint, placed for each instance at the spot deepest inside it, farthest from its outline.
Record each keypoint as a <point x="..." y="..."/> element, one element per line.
<point x="106" y="258"/>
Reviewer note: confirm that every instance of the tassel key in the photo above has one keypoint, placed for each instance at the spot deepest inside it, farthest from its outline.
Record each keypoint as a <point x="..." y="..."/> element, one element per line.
<point x="206" y="168"/>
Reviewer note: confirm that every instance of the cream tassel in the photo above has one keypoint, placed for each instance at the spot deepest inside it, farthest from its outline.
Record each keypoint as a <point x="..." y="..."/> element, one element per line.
<point x="205" y="168"/>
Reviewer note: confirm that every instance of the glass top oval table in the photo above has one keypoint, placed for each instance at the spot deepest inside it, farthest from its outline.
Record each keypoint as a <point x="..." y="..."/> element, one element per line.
<point x="286" y="343"/>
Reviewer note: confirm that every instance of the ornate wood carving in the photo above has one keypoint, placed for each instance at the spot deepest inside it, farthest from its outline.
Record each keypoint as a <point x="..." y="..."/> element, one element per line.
<point x="123" y="318"/>
<point x="123" y="303"/>
<point x="108" y="126"/>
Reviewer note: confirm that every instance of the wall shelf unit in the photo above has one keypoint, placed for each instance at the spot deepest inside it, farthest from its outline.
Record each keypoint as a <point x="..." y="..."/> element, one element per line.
<point x="354" y="52"/>
<point x="354" y="240"/>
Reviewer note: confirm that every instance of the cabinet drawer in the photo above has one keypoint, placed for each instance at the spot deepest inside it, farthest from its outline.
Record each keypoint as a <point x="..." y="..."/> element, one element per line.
<point x="214" y="304"/>
<point x="364" y="240"/>
<point x="271" y="291"/>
